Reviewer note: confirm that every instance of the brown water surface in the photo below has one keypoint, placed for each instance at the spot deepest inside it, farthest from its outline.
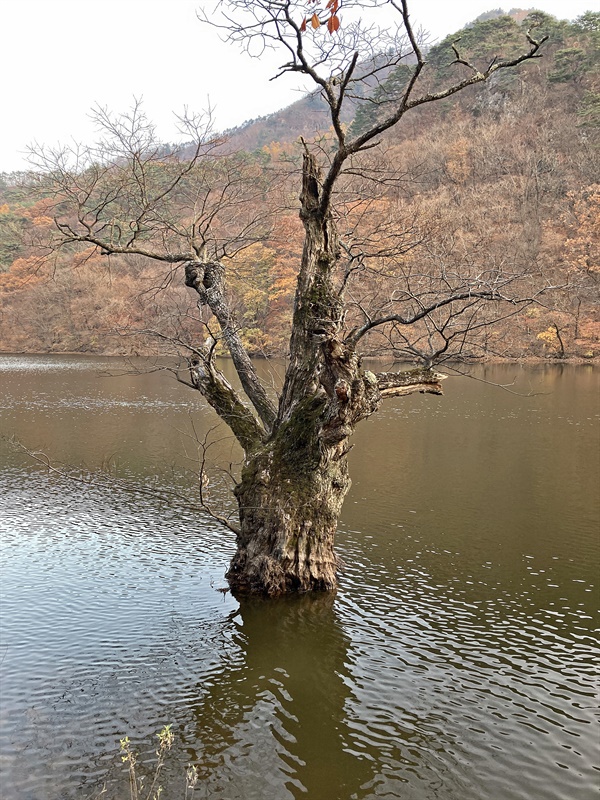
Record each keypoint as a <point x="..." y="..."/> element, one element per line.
<point x="458" y="660"/>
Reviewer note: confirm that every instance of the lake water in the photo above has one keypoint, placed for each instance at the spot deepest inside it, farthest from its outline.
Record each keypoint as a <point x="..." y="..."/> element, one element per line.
<point x="458" y="660"/>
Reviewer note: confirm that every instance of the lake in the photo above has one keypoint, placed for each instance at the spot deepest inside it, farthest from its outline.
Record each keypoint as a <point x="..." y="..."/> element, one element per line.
<point x="458" y="660"/>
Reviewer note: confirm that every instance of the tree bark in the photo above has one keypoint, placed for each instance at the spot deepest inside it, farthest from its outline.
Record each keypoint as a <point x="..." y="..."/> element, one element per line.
<point x="291" y="491"/>
<point x="290" y="497"/>
<point x="206" y="278"/>
<point x="292" y="488"/>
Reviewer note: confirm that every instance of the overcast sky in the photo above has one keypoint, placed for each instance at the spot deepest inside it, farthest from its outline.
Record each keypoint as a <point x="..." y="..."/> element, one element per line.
<point x="60" y="57"/>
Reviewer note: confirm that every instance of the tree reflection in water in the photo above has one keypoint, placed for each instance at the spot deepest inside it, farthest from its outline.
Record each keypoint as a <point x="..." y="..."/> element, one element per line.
<point x="275" y="716"/>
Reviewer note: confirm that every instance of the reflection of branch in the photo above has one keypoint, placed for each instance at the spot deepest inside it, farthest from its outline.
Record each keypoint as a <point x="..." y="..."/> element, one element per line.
<point x="92" y="479"/>
<point x="504" y="386"/>
<point x="203" y="445"/>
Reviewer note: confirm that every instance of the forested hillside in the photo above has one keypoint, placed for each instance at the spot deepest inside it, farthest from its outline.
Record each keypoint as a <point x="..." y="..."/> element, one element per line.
<point x="505" y="176"/>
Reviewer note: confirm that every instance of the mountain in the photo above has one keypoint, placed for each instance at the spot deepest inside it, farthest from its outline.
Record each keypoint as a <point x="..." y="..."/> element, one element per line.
<point x="308" y="116"/>
<point x="506" y="174"/>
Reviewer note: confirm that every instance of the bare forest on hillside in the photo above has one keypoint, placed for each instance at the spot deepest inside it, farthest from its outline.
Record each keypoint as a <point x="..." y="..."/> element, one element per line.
<point x="505" y="178"/>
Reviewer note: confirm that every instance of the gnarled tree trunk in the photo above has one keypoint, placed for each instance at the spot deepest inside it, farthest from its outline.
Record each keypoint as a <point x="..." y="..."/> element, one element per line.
<point x="293" y="486"/>
<point x="291" y="492"/>
<point x="292" y="489"/>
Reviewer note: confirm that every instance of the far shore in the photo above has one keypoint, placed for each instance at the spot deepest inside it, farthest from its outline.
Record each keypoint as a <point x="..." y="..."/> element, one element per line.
<point x="527" y="359"/>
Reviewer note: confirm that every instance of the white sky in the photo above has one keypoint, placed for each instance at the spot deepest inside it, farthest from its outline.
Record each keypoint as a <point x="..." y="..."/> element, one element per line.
<point x="61" y="57"/>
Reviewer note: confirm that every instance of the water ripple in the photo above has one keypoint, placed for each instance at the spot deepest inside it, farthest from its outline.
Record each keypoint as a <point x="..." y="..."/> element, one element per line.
<point x="457" y="662"/>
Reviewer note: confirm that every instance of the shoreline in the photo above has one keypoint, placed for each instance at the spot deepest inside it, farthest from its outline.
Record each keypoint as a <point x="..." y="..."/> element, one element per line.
<point x="529" y="359"/>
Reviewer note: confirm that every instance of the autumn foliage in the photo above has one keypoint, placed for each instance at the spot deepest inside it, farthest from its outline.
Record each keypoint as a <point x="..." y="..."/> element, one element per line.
<point x="509" y="176"/>
<point x="328" y="17"/>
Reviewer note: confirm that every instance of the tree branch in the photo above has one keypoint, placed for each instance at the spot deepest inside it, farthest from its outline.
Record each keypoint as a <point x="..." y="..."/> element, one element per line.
<point x="215" y="387"/>
<point x="492" y="295"/>
<point x="399" y="384"/>
<point x="206" y="278"/>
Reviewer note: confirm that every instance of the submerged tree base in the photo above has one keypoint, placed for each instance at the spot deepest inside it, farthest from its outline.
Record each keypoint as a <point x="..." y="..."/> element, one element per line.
<point x="290" y="497"/>
<point x="292" y="489"/>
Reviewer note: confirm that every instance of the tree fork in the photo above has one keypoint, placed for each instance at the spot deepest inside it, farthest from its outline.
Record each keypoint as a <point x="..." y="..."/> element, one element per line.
<point x="292" y="490"/>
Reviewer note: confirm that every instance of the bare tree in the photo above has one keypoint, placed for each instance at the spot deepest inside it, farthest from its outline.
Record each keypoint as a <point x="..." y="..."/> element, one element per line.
<point x="353" y="282"/>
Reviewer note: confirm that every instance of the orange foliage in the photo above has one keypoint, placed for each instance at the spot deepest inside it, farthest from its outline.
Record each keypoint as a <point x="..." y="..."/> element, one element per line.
<point x="458" y="158"/>
<point x="582" y="248"/>
<point x="23" y="273"/>
<point x="40" y="213"/>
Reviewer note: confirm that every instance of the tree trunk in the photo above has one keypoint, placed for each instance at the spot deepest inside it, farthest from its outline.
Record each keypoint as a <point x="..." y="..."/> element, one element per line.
<point x="294" y="483"/>
<point x="290" y="498"/>
<point x="291" y="492"/>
